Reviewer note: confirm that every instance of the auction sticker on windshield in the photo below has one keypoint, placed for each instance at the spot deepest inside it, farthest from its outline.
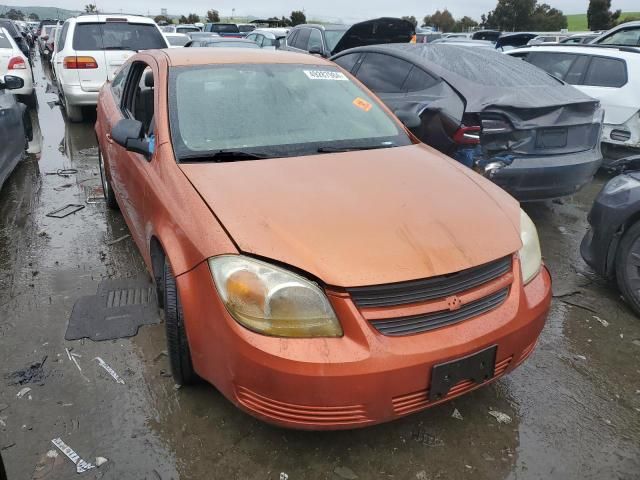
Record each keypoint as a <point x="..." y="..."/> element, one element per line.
<point x="325" y="75"/>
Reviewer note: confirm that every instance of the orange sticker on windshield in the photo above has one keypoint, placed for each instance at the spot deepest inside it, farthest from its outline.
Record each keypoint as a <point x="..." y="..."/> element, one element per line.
<point x="363" y="104"/>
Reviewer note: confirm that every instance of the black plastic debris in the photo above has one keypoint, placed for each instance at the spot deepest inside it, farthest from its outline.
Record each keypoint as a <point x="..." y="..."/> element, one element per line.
<point x="34" y="373"/>
<point x="65" y="211"/>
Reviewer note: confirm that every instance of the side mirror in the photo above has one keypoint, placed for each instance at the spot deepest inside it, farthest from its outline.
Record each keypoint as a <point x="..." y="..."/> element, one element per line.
<point x="409" y="119"/>
<point x="11" y="83"/>
<point x="129" y="134"/>
<point x="316" y="50"/>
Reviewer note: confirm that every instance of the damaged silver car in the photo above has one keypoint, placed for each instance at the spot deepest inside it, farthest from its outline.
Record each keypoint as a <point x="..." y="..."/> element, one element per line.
<point x="15" y="127"/>
<point x="534" y="135"/>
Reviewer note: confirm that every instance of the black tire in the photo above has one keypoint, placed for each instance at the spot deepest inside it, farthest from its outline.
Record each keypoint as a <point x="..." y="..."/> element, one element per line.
<point x="177" y="342"/>
<point x="109" y="196"/>
<point x="628" y="267"/>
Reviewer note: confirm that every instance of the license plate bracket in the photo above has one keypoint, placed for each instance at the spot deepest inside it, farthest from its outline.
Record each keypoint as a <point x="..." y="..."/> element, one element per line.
<point x="478" y="368"/>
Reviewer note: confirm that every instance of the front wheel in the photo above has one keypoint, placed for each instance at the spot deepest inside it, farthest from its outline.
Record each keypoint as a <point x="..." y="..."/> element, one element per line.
<point x="177" y="342"/>
<point x="109" y="196"/>
<point x="628" y="267"/>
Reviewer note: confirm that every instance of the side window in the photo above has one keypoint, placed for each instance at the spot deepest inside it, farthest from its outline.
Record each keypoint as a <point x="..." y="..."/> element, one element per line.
<point x="606" y="72"/>
<point x="348" y="61"/>
<point x="292" y="38"/>
<point x="419" y="80"/>
<point x="576" y="72"/>
<point x="259" y="40"/>
<point x="139" y="96"/>
<point x="557" y="64"/>
<point x="117" y="85"/>
<point x="315" y="40"/>
<point x="63" y="37"/>
<point x="302" y="40"/>
<point x="629" y="37"/>
<point x="383" y="73"/>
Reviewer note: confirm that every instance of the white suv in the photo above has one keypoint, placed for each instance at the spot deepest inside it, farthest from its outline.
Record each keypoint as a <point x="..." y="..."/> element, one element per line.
<point x="610" y="74"/>
<point x="90" y="50"/>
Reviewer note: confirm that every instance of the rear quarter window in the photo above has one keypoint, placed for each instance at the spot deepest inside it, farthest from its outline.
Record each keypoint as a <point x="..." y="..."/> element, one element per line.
<point x="117" y="36"/>
<point x="606" y="72"/>
<point x="4" y="41"/>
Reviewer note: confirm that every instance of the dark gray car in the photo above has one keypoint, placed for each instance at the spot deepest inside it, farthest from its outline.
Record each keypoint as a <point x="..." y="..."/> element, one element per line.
<point x="534" y="135"/>
<point x="612" y="245"/>
<point x="14" y="127"/>
<point x="327" y="40"/>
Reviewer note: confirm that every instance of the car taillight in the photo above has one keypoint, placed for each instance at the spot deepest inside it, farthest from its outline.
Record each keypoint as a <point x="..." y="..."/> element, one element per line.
<point x="414" y="39"/>
<point x="17" y="63"/>
<point x="467" y="135"/>
<point x="79" y="63"/>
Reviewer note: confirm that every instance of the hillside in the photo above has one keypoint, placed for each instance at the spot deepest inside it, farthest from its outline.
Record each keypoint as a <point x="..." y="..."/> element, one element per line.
<point x="578" y="22"/>
<point x="42" y="12"/>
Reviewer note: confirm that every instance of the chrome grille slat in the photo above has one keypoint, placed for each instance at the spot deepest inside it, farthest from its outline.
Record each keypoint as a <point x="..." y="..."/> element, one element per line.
<point x="429" y="289"/>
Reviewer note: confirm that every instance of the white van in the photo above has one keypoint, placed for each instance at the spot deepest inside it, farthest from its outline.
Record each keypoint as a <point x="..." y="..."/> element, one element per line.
<point x="90" y="50"/>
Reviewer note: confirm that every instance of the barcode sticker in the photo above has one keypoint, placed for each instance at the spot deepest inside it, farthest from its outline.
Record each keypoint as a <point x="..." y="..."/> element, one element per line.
<point x="325" y="75"/>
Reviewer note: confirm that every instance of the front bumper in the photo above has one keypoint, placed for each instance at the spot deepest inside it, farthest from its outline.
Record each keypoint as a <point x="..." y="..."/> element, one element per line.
<point x="75" y="95"/>
<point x="361" y="379"/>
<point x="544" y="178"/>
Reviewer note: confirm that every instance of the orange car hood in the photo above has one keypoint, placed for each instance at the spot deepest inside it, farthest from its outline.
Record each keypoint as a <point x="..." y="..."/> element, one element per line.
<point x="362" y="218"/>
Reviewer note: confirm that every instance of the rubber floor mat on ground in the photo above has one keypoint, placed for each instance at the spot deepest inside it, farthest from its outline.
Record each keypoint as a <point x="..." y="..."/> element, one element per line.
<point x="118" y="310"/>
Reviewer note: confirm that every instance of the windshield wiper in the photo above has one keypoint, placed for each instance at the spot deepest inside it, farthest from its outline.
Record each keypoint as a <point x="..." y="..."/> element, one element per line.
<point x="224" y="156"/>
<point x="354" y="148"/>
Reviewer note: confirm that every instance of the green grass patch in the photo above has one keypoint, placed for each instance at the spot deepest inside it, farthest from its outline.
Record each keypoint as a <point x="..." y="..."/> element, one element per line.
<point x="578" y="22"/>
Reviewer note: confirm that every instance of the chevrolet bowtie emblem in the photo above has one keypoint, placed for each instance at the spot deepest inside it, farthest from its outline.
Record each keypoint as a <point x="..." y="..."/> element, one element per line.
<point x="454" y="303"/>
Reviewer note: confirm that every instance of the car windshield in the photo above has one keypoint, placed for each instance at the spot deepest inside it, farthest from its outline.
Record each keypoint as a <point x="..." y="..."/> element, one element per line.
<point x="177" y="41"/>
<point x="629" y="37"/>
<point x="225" y="28"/>
<point x="217" y="108"/>
<point x="117" y="36"/>
<point x="246" y="28"/>
<point x="333" y="37"/>
<point x="187" y="29"/>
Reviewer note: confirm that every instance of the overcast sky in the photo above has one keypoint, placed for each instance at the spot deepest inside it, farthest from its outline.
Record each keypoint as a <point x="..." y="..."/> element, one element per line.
<point x="333" y="10"/>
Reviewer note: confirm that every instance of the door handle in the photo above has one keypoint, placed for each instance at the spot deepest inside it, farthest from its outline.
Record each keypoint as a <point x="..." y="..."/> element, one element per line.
<point x="109" y="138"/>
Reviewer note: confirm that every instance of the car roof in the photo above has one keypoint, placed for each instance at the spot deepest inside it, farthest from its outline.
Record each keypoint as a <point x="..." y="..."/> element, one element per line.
<point x="272" y="31"/>
<point x="629" y="53"/>
<point x="325" y="27"/>
<point x="104" y="17"/>
<point x="179" y="57"/>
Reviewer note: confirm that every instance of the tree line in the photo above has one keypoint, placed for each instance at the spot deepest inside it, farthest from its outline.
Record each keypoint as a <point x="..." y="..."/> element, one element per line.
<point x="13" y="14"/>
<point x="523" y="15"/>
<point x="297" y="17"/>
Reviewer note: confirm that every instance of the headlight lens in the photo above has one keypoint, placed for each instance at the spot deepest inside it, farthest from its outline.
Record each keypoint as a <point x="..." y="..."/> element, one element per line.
<point x="619" y="184"/>
<point x="530" y="254"/>
<point x="273" y="301"/>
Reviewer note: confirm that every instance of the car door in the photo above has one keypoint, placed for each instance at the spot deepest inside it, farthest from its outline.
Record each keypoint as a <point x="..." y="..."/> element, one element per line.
<point x="12" y="134"/>
<point x="129" y="170"/>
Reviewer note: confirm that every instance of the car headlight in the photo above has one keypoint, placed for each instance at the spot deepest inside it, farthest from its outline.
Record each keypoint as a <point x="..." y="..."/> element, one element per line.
<point x="530" y="254"/>
<point x="271" y="300"/>
<point x="620" y="184"/>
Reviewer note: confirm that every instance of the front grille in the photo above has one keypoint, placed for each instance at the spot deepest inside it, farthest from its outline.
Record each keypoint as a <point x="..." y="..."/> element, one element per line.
<point x="430" y="288"/>
<point x="416" y="401"/>
<point x="430" y="321"/>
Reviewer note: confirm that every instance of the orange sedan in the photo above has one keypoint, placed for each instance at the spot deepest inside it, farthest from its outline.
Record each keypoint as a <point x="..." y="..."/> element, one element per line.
<point x="316" y="263"/>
